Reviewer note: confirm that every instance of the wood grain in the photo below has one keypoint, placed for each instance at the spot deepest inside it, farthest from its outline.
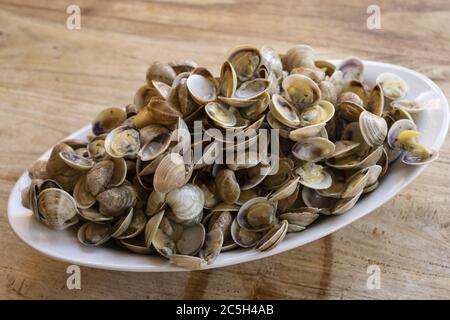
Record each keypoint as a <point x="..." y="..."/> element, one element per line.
<point x="53" y="81"/>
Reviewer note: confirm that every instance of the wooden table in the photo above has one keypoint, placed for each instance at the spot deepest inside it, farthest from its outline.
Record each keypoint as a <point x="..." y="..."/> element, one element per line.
<point x="54" y="80"/>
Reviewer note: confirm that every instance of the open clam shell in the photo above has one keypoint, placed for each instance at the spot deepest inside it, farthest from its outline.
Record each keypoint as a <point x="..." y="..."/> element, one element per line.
<point x="301" y="90"/>
<point x="93" y="234"/>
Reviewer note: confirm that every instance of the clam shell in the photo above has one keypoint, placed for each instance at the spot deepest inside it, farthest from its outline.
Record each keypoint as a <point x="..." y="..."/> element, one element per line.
<point x="57" y="209"/>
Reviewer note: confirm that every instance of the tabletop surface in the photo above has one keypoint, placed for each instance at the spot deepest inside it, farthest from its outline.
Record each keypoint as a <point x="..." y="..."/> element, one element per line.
<point x="54" y="80"/>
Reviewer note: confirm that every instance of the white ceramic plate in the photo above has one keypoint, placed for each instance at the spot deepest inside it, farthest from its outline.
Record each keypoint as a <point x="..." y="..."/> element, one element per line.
<point x="63" y="245"/>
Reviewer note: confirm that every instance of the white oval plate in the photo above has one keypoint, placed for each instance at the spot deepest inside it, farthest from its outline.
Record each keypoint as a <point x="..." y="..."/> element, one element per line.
<point x="63" y="245"/>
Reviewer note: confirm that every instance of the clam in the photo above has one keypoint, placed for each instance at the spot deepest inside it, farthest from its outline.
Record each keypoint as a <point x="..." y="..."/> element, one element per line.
<point x="301" y="90"/>
<point x="320" y="112"/>
<point x="170" y="173"/>
<point x="159" y="71"/>
<point x="92" y="214"/>
<point x="155" y="203"/>
<point x="38" y="170"/>
<point x="258" y="214"/>
<point x="271" y="59"/>
<point x="273" y="237"/>
<point x="394" y="87"/>
<point x="57" y="209"/>
<point x="58" y="170"/>
<point x="328" y="91"/>
<point x="328" y="67"/>
<point x="313" y="176"/>
<point x="92" y="234"/>
<point x="122" y="224"/>
<point x="279" y="176"/>
<point x="228" y="80"/>
<point x="205" y="181"/>
<point x="181" y="66"/>
<point x="99" y="177"/>
<point x="202" y="86"/>
<point x="213" y="245"/>
<point x="122" y="142"/>
<point x="285" y="190"/>
<point x="114" y="201"/>
<point x="76" y="161"/>
<point x="244" y="238"/>
<point x="81" y="194"/>
<point x="157" y="111"/>
<point x="252" y="89"/>
<point x="191" y="240"/>
<point x="186" y="203"/>
<point x="344" y="148"/>
<point x="301" y="217"/>
<point x="352" y="68"/>
<point x="317" y="202"/>
<point x="375" y="103"/>
<point x="221" y="115"/>
<point x="96" y="149"/>
<point x="152" y="227"/>
<point x="300" y="55"/>
<point x="155" y="146"/>
<point x="313" y="149"/>
<point x="245" y="60"/>
<point x="283" y="111"/>
<point x="373" y="128"/>
<point x="403" y="135"/>
<point x="108" y="119"/>
<point x="315" y="74"/>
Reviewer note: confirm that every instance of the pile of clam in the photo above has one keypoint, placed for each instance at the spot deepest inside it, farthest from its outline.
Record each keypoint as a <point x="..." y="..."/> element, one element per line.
<point x="130" y="183"/>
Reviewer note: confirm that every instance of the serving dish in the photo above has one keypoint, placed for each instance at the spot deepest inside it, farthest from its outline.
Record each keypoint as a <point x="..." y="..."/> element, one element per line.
<point x="63" y="245"/>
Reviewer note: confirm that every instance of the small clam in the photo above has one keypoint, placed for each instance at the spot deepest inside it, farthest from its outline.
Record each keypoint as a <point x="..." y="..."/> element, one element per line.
<point x="373" y="128"/>
<point x="258" y="214"/>
<point x="313" y="176"/>
<point x="186" y="203"/>
<point x="313" y="149"/>
<point x="122" y="224"/>
<point x="92" y="214"/>
<point x="202" y="86"/>
<point x="300" y="55"/>
<point x="375" y="103"/>
<point x="302" y="217"/>
<point x="243" y="237"/>
<point x="213" y="245"/>
<point x="252" y="89"/>
<point x="301" y="90"/>
<point x="122" y="142"/>
<point x="320" y="112"/>
<point x="38" y="170"/>
<point x="159" y="71"/>
<point x="274" y="237"/>
<point x="92" y="234"/>
<point x="99" y="177"/>
<point x="115" y="201"/>
<point x="228" y="80"/>
<point x="283" y="111"/>
<point x="394" y="87"/>
<point x="352" y="68"/>
<point x="151" y="228"/>
<point x="157" y="111"/>
<point x="76" y="161"/>
<point x="155" y="146"/>
<point x="245" y="60"/>
<point x="57" y="209"/>
<point x="108" y="119"/>
<point x="191" y="240"/>
<point x="81" y="194"/>
<point x="227" y="186"/>
<point x="170" y="173"/>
